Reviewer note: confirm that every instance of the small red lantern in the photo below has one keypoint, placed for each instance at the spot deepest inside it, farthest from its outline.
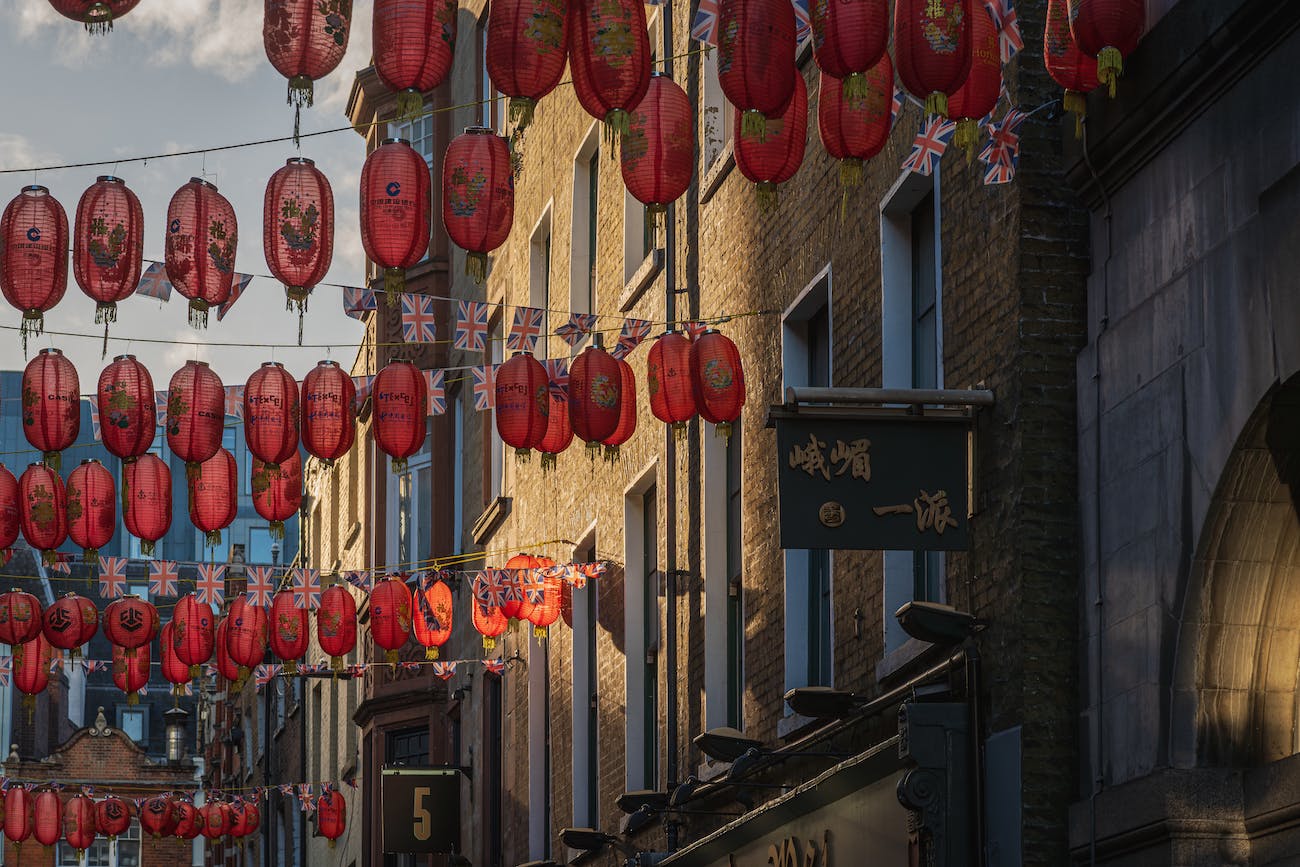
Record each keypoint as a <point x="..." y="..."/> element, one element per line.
<point x="202" y="235"/>
<point x="657" y="154"/>
<point x="854" y="129"/>
<point x="31" y="669"/>
<point x="213" y="504"/>
<point x="113" y="817"/>
<point x="108" y="245"/>
<point x="159" y="817"/>
<point x="331" y="815"/>
<point x="19" y="816"/>
<point x="189" y="823"/>
<point x="195" y="632"/>
<point x="246" y="635"/>
<point x="609" y="58"/>
<point x="932" y="47"/>
<point x="246" y="818"/>
<point x="626" y="412"/>
<point x="130" y="674"/>
<point x="978" y="94"/>
<point x="305" y="40"/>
<point x="128" y="409"/>
<point x="10" y="511"/>
<point x="277" y="493"/>
<point x="34" y="271"/>
<point x="522" y="402"/>
<point x="478" y="196"/>
<point x="395" y="206"/>
<point x="51" y="404"/>
<point x="48" y="815"/>
<point x="215" y="819"/>
<point x="668" y="380"/>
<point x="69" y="623"/>
<point x="543" y="590"/>
<point x="298" y="230"/>
<point x="400" y="405"/>
<point x="718" y="380"/>
<point x="412" y="48"/>
<point x="776" y="156"/>
<point x="336" y="624"/>
<point x="20" y="617"/>
<point x="290" y="634"/>
<point x="147" y="495"/>
<point x="92" y="508"/>
<point x="432" y="619"/>
<point x="196" y="414"/>
<point x="79" y="823"/>
<point x="131" y="623"/>
<point x="756" y="59"/>
<point x="329" y="413"/>
<point x="527" y="42"/>
<point x="595" y="389"/>
<point x="390" y="615"/>
<point x="559" y="433"/>
<point x="43" y="504"/>
<point x="226" y="666"/>
<point x="174" y="671"/>
<point x="1108" y="30"/>
<point x="849" y="38"/>
<point x="96" y="15"/>
<point x="1068" y="66"/>
<point x="271" y="414"/>
<point x="486" y="612"/>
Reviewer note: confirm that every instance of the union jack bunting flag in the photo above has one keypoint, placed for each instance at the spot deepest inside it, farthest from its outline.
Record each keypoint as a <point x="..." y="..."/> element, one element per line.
<point x="160" y="404"/>
<point x="534" y="586"/>
<point x="351" y="782"/>
<point x="578" y="327"/>
<point x="359" y="580"/>
<point x="93" y="665"/>
<point x="526" y="329"/>
<point x="495" y="666"/>
<point x="802" y="23"/>
<point x="306" y="589"/>
<point x="55" y="664"/>
<point x="362" y="384"/>
<point x="261" y="585"/>
<point x="6" y="669"/>
<point x="1008" y="26"/>
<point x="265" y="673"/>
<point x="409" y="666"/>
<point x="62" y="563"/>
<point x="489" y="590"/>
<point x="163" y="576"/>
<point x="1002" y="153"/>
<point x="6" y="554"/>
<point x="485" y="386"/>
<point x="112" y="577"/>
<point x="471" y="326"/>
<point x="512" y="585"/>
<point x="304" y="798"/>
<point x="928" y="146"/>
<point x="357" y="301"/>
<point x="418" y="325"/>
<point x="895" y="106"/>
<point x="436" y="380"/>
<point x="237" y="287"/>
<point x="695" y="329"/>
<point x="705" y="27"/>
<point x="235" y="401"/>
<point x="286" y="788"/>
<point x="154" y="283"/>
<point x="557" y="375"/>
<point x="210" y="587"/>
<point x="445" y="670"/>
<point x="634" y="331"/>
<point x="94" y="420"/>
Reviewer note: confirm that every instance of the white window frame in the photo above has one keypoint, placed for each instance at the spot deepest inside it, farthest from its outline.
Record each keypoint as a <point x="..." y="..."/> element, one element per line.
<point x="541" y="270"/>
<point x="715" y="582"/>
<point x="634" y="579"/>
<point x="580" y="670"/>
<point x="579" y="251"/>
<point x="717" y="116"/>
<point x="422" y="460"/>
<point x="539" y="799"/>
<point x="419" y="132"/>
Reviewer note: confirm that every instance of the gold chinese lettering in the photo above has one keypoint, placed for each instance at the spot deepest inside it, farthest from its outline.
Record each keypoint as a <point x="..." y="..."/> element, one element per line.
<point x="933" y="511"/>
<point x="854" y="457"/>
<point x="901" y="509"/>
<point x="810" y="458"/>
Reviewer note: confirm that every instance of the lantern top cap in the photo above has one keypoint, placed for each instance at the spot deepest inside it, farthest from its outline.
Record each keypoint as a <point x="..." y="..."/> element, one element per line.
<point x="109" y="179"/>
<point x="51" y="351"/>
<point x="197" y="363"/>
<point x="479" y="130"/>
<point x="299" y="161"/>
<point x="85" y="461"/>
<point x="389" y="141"/>
<point x="328" y="362"/>
<point x="127" y="357"/>
<point x="272" y="364"/>
<point x="202" y="183"/>
<point x="35" y="190"/>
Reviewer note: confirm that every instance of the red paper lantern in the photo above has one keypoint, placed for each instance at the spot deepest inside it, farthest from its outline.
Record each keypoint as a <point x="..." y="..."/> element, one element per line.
<point x="399" y="409"/>
<point x="108" y="245"/>
<point x="522" y="402"/>
<point x="978" y="94"/>
<point x="20" y="617"/>
<point x="329" y="413"/>
<point x="626" y="411"/>
<point x="305" y="40"/>
<point x="31" y="667"/>
<point x="213" y="501"/>
<point x="51" y="404"/>
<point x="48" y="818"/>
<point x="718" y="379"/>
<point x="246" y="818"/>
<point x="131" y="623"/>
<point x="175" y="672"/>
<point x="559" y="433"/>
<point x="195" y="632"/>
<point x="34" y="269"/>
<point x="595" y="389"/>
<point x="390" y="615"/>
<point x="1108" y="30"/>
<point x="331" y="815"/>
<point x="10" y="510"/>
<point x="298" y="230"/>
<point x="849" y="38"/>
<point x="756" y="59"/>
<point x="486" y="612"/>
<point x="1068" y="66"/>
<point x="226" y="666"/>
<point x="128" y="408"/>
<point x="932" y="47"/>
<point x="113" y="817"/>
<point x="336" y="624"/>
<point x="19" y="815"/>
<point x="202" y="235"/>
<point x="289" y="632"/>
<point x="96" y="15"/>
<point x="147" y="495"/>
<point x="189" y="822"/>
<point x="196" y="414"/>
<point x="92" y="508"/>
<point x="159" y="817"/>
<point x="79" y="823"/>
<point x="246" y="635"/>
<point x="527" y="42"/>
<point x="277" y="493"/>
<point x="43" y="504"/>
<point x="271" y="414"/>
<point x="657" y="154"/>
<point x="478" y="196"/>
<point x="69" y="623"/>
<point x="395" y="211"/>
<point x="432" y="619"/>
<point x="412" y="48"/>
<point x="130" y="674"/>
<point x="609" y="58"/>
<point x="776" y="156"/>
<point x="215" y="819"/>
<point x="543" y="588"/>
<point x="668" y="380"/>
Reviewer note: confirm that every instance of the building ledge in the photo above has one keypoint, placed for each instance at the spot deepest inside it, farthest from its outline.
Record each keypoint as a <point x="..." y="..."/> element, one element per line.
<point x="792" y="726"/>
<point x="722" y="165"/>
<point x="490" y="520"/>
<point x="641" y="280"/>
<point x="901" y="660"/>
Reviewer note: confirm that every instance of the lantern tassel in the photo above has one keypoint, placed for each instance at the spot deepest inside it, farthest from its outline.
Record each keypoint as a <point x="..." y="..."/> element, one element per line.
<point x="855" y="86"/>
<point x="33" y="326"/>
<point x="611" y="454"/>
<point x="336" y="665"/>
<point x="105" y="313"/>
<point x="679" y="430"/>
<point x="133" y="698"/>
<point x="753" y="124"/>
<point x="50" y="558"/>
<point x="1077" y="104"/>
<point x="277" y="529"/>
<point x="431" y="653"/>
<point x="654" y="215"/>
<point x="213" y="538"/>
<point x="54" y="460"/>
<point x="937" y="104"/>
<point x="539" y="632"/>
<point x="198" y="313"/>
<point x="394" y="285"/>
<point x="410" y="105"/>
<point x="301" y="94"/>
<point x="98" y="19"/>
<point x="489" y="643"/>
<point x="295" y="298"/>
<point x="147" y="547"/>
<point x="850" y="177"/>
<point x="195" y="672"/>
<point x="521" y="111"/>
<point x="399" y="464"/>
<point x="391" y="657"/>
<point x="523" y="456"/>
<point x="722" y="429"/>
<point x="593" y="449"/>
<point x="29" y="702"/>
<point x="768" y="196"/>
<point x="291" y="668"/>
<point x="1110" y="64"/>
<point x="90" y="555"/>
<point x="548" y="462"/>
<point x="193" y="470"/>
<point x="476" y="266"/>
<point x="966" y="136"/>
<point x="618" y="123"/>
<point x="331" y="844"/>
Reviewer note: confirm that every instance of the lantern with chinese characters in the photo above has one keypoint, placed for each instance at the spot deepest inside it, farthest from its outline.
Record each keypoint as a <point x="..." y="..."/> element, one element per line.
<point x="756" y="59"/>
<point x="277" y="493"/>
<point x="69" y="623"/>
<point x="189" y="823"/>
<point x="774" y="158"/>
<point x="718" y="380"/>
<point x="246" y="635"/>
<point x="486" y="613"/>
<point x="108" y="245"/>
<point x="336" y="624"/>
<point x="147" y="498"/>
<point x="853" y="130"/>
<point x="21" y="618"/>
<point x="395" y="206"/>
<point x="19" y="815"/>
<point x="131" y="623"/>
<point x="196" y="414"/>
<point x="213" y="503"/>
<point x="128" y="409"/>
<point x="202" y="235"/>
<point x="92" y="508"/>
<point x="431" y="620"/>
<point x="159" y="817"/>
<point x="289" y="632"/>
<point x="34" y="269"/>
<point x="400" y="405"/>
<point x="246" y="818"/>
<point x="1068" y="66"/>
<point x="390" y="615"/>
<point x="298" y="230"/>
<point x="112" y="816"/>
<point x="668" y="380"/>
<point x="849" y="38"/>
<point x="194" y="635"/>
<point x="79" y="823"/>
<point x="48" y="817"/>
<point x="522" y="402"/>
<point x="527" y="42"/>
<point x="226" y="666"/>
<point x="43" y="504"/>
<point x="10" y="511"/>
<point x="559" y="433"/>
<point x="978" y="94"/>
<point x="609" y="59"/>
<point x="543" y="588"/>
<point x="412" y="48"/>
<point x="932" y="48"/>
<point x="271" y="414"/>
<point x="215" y="819"/>
<point x="331" y="815"/>
<point x="174" y="671"/>
<point x="31" y="669"/>
<point x="595" y="390"/>
<point x="51" y="404"/>
<point x="478" y="196"/>
<point x="95" y="15"/>
<point x="656" y="154"/>
<point x="305" y="40"/>
<point x="626" y="412"/>
<point x="1108" y="30"/>
<point x="329" y="413"/>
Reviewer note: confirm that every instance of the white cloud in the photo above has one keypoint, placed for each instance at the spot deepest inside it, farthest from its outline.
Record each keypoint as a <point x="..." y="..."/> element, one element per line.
<point x="17" y="152"/>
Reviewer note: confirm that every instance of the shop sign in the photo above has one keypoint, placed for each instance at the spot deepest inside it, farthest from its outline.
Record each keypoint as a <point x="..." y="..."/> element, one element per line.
<point x="421" y="809"/>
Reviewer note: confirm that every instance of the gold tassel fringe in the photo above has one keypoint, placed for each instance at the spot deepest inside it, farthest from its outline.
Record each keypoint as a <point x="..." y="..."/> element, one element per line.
<point x="768" y="195"/>
<point x="1077" y="104"/>
<point x="521" y="111"/>
<point x="431" y="653"/>
<point x="618" y="123"/>
<point x="410" y="105"/>
<point x="199" y="313"/>
<point x="855" y="87"/>
<point x="753" y="125"/>
<point x="277" y="529"/>
<point x="1110" y="65"/>
<point x="476" y="266"/>
<point x="966" y="136"/>
<point x="53" y="460"/>
<point x="394" y="285"/>
<point x="33" y="326"/>
<point x="937" y="104"/>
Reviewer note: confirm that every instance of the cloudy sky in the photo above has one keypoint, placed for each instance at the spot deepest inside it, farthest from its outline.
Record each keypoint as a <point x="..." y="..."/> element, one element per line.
<point x="177" y="75"/>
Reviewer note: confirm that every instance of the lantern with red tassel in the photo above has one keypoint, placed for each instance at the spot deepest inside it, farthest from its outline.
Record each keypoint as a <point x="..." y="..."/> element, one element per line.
<point x="413" y="45"/>
<point x="43" y="504"/>
<point x="395" y="205"/>
<point x="932" y="47"/>
<point x="34" y="269"/>
<point x="390" y="615"/>
<point x="79" y="823"/>
<point x="718" y="380"/>
<point x="656" y="155"/>
<point x="1068" y="66"/>
<point x="21" y="618"/>
<point x="336" y="624"/>
<point x="19" y="816"/>
<point x="522" y="402"/>
<point x="527" y="41"/>
<point x="131" y="623"/>
<point x="92" y="508"/>
<point x="543" y="590"/>
<point x="10" y="511"/>
<point x="298" y="230"/>
<point x="113" y="816"/>
<point x="400" y="400"/>
<point x="853" y="130"/>
<point x="213" y="503"/>
<point x="196" y="414"/>
<point x="202" y="236"/>
<point x="329" y="413"/>
<point x="486" y="611"/>
<point x="51" y="404"/>
<point x="331" y="815"/>
<point x="246" y="635"/>
<point x="626" y="412"/>
<point x="559" y="433"/>
<point x="108" y="246"/>
<point x="226" y="666"/>
<point x="31" y="668"/>
<point x="194" y="636"/>
<point x="431" y="622"/>
<point x="776" y="156"/>
<point x="849" y="38"/>
<point x="69" y="623"/>
<point x="668" y="380"/>
<point x="189" y="823"/>
<point x="305" y="40"/>
<point x="978" y="94"/>
<point x="158" y="817"/>
<point x="289" y="632"/>
<point x="128" y="410"/>
<point x="1108" y="30"/>
<point x="48" y="817"/>
<point x="271" y="414"/>
<point x="277" y="493"/>
<point x="96" y="16"/>
<point x="756" y="59"/>
<point x="147" y="495"/>
<point x="215" y="818"/>
<point x="174" y="671"/>
<point x="595" y="389"/>
<point x="609" y="58"/>
<point x="478" y="196"/>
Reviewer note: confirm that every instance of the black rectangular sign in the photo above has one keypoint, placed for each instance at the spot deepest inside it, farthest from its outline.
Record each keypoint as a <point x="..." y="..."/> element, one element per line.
<point x="421" y="809"/>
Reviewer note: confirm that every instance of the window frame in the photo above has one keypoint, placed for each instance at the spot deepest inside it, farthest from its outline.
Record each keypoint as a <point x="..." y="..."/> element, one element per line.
<point x="641" y="673"/>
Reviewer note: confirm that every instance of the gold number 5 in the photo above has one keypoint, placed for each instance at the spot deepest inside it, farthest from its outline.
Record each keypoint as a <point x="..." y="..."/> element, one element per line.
<point x="423" y="821"/>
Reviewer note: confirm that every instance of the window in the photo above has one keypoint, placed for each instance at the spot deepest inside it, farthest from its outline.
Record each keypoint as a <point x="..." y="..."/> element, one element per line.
<point x="122" y="852"/>
<point x="641" y="586"/>
<point x="586" y="752"/>
<point x="539" y="748"/>
<point x="407" y="747"/>
<point x="539" y="276"/>
<point x="735" y="587"/>
<point x="492" y="107"/>
<point x="492" y="772"/>
<point x="410" y="499"/>
<point x="724" y="630"/>
<point x="586" y="197"/>
<point x="716" y="114"/>
<point x="134" y="723"/>
<point x="418" y="132"/>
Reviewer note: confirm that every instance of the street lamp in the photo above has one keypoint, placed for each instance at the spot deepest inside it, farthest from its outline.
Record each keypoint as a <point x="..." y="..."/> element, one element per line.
<point x="725" y="744"/>
<point x="177" y="721"/>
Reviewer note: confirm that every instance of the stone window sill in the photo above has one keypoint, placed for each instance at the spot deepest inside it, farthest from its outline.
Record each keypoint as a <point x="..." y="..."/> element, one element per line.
<point x="641" y="280"/>
<point x="490" y="520"/>
<point x="722" y="165"/>
<point x="900" y="659"/>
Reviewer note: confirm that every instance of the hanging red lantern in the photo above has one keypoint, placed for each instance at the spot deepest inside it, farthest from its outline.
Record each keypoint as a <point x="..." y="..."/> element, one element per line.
<point x="932" y="47"/>
<point x="626" y="412"/>
<point x="657" y="154"/>
<point x="51" y="404"/>
<point x="849" y="38"/>
<point x="226" y="666"/>
<point x="979" y="93"/>
<point x="776" y="156"/>
<point x="43" y="513"/>
<point x="68" y="624"/>
<point x="196" y="414"/>
<point x="559" y="433"/>
<point x="756" y="59"/>
<point x="513" y="579"/>
<point x="96" y="15"/>
<point x="289" y="632"/>
<point x="668" y="380"/>
<point x="21" y="618"/>
<point x="718" y="380"/>
<point x="158" y="817"/>
<point x="92" y="508"/>
<point x="329" y="412"/>
<point x="412" y="48"/>
<point x="609" y="58"/>
<point x="522" y="402"/>
<point x="10" y="510"/>
<point x="195" y="632"/>
<point x="298" y="230"/>
<point x="47" y="812"/>
<point x="31" y="669"/>
<point x="108" y="245"/>
<point x="1068" y="66"/>
<point x="130" y="674"/>
<point x="189" y="823"/>
<point x="131" y="623"/>
<point x="336" y="624"/>
<point x="305" y="40"/>
<point x="34" y="271"/>
<point x="112" y="817"/>
<point x="527" y="42"/>
<point x="390" y="615"/>
<point x="595" y="389"/>
<point x="277" y="493"/>
<point x="215" y="819"/>
<point x="174" y="671"/>
<point x="395" y="206"/>
<point x="478" y="196"/>
<point x="147" y="494"/>
<point x="1108" y="30"/>
<point x="271" y="414"/>
<point x="202" y="236"/>
<point x="853" y="130"/>
<point x="331" y="815"/>
<point x="128" y="408"/>
<point x="486" y="612"/>
<point x="213" y="501"/>
<point x="19" y="815"/>
<point x="79" y="823"/>
<point x="246" y="818"/>
<point x="246" y="635"/>
<point x="400" y="404"/>
<point x="431" y="621"/>
<point x="543" y="588"/>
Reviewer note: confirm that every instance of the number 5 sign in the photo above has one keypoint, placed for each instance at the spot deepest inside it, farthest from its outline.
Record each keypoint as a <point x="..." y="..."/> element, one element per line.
<point x="421" y="809"/>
